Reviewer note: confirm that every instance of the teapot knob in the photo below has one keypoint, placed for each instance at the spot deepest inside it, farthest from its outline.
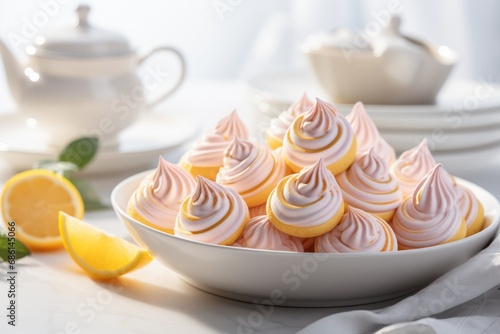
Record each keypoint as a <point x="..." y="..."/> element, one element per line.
<point x="83" y="13"/>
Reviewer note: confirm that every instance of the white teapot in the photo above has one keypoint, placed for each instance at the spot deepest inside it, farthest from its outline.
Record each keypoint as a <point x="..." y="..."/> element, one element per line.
<point x="82" y="81"/>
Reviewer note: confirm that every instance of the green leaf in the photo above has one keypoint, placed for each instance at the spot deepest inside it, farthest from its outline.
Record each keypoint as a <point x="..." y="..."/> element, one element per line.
<point x="80" y="151"/>
<point x="21" y="249"/>
<point x="74" y="158"/>
<point x="91" y="199"/>
<point x="60" y="167"/>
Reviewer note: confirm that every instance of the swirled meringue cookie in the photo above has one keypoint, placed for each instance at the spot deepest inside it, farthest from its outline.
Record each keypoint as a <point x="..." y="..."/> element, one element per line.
<point x="212" y="213"/>
<point x="431" y="215"/>
<point x="320" y="132"/>
<point x="358" y="232"/>
<point x="367" y="135"/>
<point x="279" y="125"/>
<point x="253" y="170"/>
<point x="206" y="155"/>
<point x="157" y="200"/>
<point x="306" y="204"/>
<point x="260" y="233"/>
<point x="412" y="166"/>
<point x="471" y="208"/>
<point x="369" y="186"/>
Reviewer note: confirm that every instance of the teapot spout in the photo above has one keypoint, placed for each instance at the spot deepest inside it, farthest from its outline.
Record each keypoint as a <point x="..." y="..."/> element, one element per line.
<point x="13" y="71"/>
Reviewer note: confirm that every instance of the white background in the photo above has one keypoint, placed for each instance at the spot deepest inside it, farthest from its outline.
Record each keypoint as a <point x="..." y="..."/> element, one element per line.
<point x="234" y="38"/>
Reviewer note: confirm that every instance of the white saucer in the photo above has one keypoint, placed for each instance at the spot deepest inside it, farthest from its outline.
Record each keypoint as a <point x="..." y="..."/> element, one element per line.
<point x="139" y="146"/>
<point x="475" y="102"/>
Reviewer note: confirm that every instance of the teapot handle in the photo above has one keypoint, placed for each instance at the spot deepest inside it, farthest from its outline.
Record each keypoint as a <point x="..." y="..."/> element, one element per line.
<point x="154" y="77"/>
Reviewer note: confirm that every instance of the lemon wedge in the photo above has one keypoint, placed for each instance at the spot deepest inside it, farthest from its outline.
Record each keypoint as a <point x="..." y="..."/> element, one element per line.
<point x="100" y="254"/>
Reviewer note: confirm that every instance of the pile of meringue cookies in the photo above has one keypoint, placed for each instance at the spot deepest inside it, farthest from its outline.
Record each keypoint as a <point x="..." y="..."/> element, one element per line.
<point x="322" y="183"/>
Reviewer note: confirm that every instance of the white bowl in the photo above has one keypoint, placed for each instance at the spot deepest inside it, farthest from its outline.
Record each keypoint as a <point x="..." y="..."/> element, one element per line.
<point x="303" y="279"/>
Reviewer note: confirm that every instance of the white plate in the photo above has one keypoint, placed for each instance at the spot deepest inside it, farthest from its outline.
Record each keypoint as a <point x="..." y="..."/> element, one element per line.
<point x="471" y="161"/>
<point x="304" y="279"/>
<point x="443" y="142"/>
<point x="449" y="124"/>
<point x="459" y="105"/>
<point x="138" y="146"/>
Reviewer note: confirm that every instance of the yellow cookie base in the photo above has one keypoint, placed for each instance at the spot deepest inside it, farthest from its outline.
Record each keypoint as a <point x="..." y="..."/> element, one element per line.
<point x="337" y="167"/>
<point x="305" y="232"/>
<point x="132" y="212"/>
<point x="273" y="142"/>
<point x="261" y="197"/>
<point x="235" y="236"/>
<point x="477" y="223"/>
<point x="208" y="172"/>
<point x="461" y="233"/>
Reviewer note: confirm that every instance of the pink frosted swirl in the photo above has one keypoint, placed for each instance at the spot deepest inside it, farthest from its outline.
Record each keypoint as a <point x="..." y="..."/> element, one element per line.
<point x="159" y="196"/>
<point x="260" y="233"/>
<point x="321" y="132"/>
<point x="280" y="124"/>
<point x="431" y="215"/>
<point x="309" y="198"/>
<point x="358" y="231"/>
<point x="231" y="126"/>
<point x="209" y="151"/>
<point x="467" y="203"/>
<point x="367" y="184"/>
<point x="250" y="168"/>
<point x="212" y="213"/>
<point x="367" y="134"/>
<point x="412" y="166"/>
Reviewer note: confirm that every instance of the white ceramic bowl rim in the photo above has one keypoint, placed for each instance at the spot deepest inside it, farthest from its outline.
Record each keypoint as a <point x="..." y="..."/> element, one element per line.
<point x="340" y="280"/>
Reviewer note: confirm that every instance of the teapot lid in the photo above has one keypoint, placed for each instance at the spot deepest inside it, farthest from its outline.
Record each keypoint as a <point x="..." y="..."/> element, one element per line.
<point x="82" y="40"/>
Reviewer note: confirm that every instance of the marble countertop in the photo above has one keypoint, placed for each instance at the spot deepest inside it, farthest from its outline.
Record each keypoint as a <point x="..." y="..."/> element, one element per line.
<point x="55" y="296"/>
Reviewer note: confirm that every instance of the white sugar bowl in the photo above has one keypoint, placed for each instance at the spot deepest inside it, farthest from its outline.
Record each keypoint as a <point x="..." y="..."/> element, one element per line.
<point x="386" y="68"/>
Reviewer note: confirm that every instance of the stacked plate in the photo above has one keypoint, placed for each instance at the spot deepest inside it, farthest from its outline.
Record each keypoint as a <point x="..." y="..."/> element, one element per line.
<point x="462" y="127"/>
